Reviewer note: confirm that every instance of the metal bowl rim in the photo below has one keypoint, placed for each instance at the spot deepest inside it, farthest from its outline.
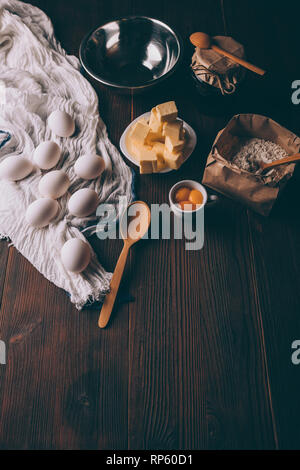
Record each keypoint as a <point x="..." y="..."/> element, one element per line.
<point x="147" y="84"/>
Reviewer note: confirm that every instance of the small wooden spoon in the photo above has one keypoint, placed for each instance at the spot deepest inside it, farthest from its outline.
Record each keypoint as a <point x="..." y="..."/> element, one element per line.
<point x="204" y="41"/>
<point x="134" y="224"/>
<point x="282" y="161"/>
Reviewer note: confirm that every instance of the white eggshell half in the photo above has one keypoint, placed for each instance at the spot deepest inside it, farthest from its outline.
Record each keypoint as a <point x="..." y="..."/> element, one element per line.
<point x="41" y="212"/>
<point x="47" y="155"/>
<point x="54" y="184"/>
<point x="61" y="123"/>
<point x="75" y="255"/>
<point x="15" y="168"/>
<point x="83" y="203"/>
<point x="89" y="167"/>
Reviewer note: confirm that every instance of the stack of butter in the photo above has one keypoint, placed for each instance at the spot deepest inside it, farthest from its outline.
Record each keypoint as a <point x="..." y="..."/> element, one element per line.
<point x="158" y="144"/>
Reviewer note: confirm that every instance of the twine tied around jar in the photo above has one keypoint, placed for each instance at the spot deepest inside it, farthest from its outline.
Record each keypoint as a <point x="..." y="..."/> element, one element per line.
<point x="224" y="84"/>
<point x="216" y="70"/>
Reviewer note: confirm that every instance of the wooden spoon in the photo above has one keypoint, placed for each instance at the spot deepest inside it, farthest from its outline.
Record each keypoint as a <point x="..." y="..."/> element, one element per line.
<point x="134" y="224"/>
<point x="282" y="161"/>
<point x="204" y="41"/>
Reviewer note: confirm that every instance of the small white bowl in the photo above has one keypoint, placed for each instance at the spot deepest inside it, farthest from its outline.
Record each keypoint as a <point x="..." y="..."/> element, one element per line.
<point x="188" y="184"/>
<point x="190" y="138"/>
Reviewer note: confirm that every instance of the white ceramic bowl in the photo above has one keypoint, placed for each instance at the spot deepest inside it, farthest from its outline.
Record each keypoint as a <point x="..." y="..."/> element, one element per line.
<point x="188" y="184"/>
<point x="190" y="136"/>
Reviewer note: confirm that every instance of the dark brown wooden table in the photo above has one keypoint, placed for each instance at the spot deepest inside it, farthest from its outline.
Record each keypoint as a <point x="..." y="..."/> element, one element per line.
<point x="202" y="357"/>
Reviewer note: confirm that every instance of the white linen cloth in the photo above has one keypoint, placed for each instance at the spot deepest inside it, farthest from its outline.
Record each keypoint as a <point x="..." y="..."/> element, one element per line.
<point x="36" y="78"/>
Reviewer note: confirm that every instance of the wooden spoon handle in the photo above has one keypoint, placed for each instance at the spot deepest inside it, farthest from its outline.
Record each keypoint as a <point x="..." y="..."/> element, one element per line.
<point x="242" y="62"/>
<point x="114" y="287"/>
<point x="282" y="161"/>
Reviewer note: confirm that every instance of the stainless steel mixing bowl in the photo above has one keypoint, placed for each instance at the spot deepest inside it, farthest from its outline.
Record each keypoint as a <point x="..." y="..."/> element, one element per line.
<point x="131" y="54"/>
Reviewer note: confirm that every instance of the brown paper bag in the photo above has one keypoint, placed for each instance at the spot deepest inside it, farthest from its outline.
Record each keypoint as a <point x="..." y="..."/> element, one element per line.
<point x="258" y="192"/>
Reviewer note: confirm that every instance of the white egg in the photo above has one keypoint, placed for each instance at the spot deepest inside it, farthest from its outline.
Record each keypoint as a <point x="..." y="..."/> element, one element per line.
<point x="61" y="123"/>
<point x="47" y="155"/>
<point x="54" y="184"/>
<point x="83" y="203"/>
<point x="41" y="212"/>
<point x="89" y="167"/>
<point x="75" y="255"/>
<point x="15" y="168"/>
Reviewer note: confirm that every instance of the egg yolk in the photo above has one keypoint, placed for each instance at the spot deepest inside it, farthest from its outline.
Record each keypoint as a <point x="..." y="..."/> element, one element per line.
<point x="182" y="194"/>
<point x="195" y="197"/>
<point x="187" y="206"/>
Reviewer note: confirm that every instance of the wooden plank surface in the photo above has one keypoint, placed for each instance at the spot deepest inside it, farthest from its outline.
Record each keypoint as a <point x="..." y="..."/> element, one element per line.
<point x="4" y="252"/>
<point x="274" y="241"/>
<point x="182" y="407"/>
<point x="201" y="359"/>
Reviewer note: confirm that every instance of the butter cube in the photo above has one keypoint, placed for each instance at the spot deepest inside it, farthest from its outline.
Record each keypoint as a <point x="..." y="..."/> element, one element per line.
<point x="173" y="129"/>
<point x="159" y="148"/>
<point x="158" y="142"/>
<point x="161" y="164"/>
<point x="172" y="132"/>
<point x="143" y="121"/>
<point x="155" y="123"/>
<point x="174" y="146"/>
<point x="154" y="137"/>
<point x="148" y="161"/>
<point x="139" y="133"/>
<point x="173" y="159"/>
<point x="167" y="111"/>
<point x="155" y="126"/>
<point x="139" y="149"/>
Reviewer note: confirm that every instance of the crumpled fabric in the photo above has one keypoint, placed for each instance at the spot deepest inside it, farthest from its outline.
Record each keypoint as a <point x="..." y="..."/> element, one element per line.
<point x="36" y="78"/>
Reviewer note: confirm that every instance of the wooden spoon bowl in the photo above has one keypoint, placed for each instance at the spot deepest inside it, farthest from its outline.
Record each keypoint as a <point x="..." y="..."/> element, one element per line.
<point x="204" y="41"/>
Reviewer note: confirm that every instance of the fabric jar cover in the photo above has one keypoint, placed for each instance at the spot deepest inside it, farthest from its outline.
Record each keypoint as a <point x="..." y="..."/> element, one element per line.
<point x="216" y="70"/>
